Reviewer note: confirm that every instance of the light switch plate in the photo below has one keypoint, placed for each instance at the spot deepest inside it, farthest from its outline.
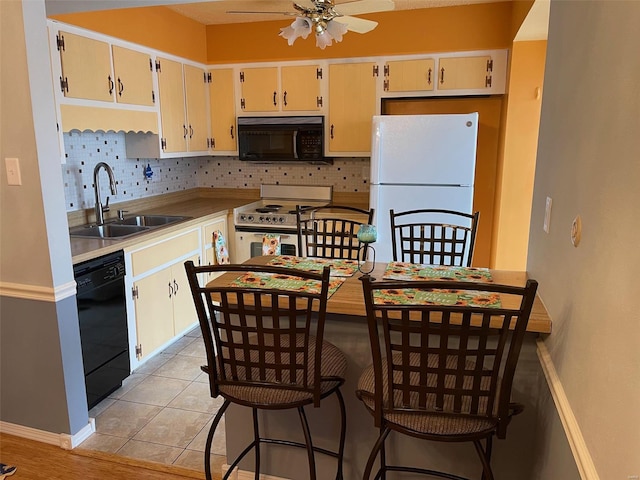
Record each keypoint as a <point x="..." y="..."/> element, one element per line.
<point x="13" y="171"/>
<point x="547" y="215"/>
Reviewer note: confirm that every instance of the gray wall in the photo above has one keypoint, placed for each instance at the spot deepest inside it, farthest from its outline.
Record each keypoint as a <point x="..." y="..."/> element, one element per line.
<point x="589" y="164"/>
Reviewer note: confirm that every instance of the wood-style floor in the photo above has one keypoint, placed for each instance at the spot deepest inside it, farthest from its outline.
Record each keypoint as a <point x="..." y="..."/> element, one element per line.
<point x="40" y="461"/>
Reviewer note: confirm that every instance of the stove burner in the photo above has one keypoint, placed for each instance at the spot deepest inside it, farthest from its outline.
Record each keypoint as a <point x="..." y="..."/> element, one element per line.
<point x="276" y="206"/>
<point x="267" y="209"/>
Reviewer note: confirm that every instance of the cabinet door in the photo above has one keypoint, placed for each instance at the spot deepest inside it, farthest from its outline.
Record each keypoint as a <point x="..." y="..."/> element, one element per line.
<point x="134" y="79"/>
<point x="86" y="68"/>
<point x="259" y="89"/>
<point x="464" y="73"/>
<point x="222" y="109"/>
<point x="196" y="101"/>
<point x="154" y="310"/>
<point x="409" y="75"/>
<point x="174" y="127"/>
<point x="184" y="310"/>
<point x="300" y="88"/>
<point x="352" y="104"/>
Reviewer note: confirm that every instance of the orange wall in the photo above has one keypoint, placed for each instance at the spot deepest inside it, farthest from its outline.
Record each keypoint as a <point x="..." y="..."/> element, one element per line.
<point x="155" y="27"/>
<point x="448" y="29"/>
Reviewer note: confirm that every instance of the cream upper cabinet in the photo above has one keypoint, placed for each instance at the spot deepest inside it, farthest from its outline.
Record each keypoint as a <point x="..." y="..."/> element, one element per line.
<point x="409" y="75"/>
<point x="196" y="112"/>
<point x="133" y="73"/>
<point x="171" y="86"/>
<point x="352" y="104"/>
<point x="222" y="110"/>
<point x="86" y="67"/>
<point x="183" y="107"/>
<point x="259" y="89"/>
<point x="301" y="88"/>
<point x="461" y="73"/>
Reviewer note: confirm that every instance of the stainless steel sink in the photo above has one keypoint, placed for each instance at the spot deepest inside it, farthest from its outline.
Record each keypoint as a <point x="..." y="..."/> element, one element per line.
<point x="151" y="220"/>
<point x="108" y="230"/>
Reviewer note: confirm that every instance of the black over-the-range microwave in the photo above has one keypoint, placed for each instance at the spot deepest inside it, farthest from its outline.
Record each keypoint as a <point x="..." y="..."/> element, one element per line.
<point x="281" y="139"/>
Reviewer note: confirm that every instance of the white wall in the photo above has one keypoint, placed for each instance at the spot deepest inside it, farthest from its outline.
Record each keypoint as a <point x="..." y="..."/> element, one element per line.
<point x="589" y="164"/>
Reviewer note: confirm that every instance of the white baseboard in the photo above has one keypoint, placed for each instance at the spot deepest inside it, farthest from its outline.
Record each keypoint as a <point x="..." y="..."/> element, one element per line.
<point x="246" y="475"/>
<point x="581" y="454"/>
<point x="62" y="440"/>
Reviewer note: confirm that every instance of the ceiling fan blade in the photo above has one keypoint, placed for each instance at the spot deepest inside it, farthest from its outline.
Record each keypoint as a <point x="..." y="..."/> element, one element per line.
<point x="364" y="6"/>
<point x="358" y="25"/>
<point x="263" y="12"/>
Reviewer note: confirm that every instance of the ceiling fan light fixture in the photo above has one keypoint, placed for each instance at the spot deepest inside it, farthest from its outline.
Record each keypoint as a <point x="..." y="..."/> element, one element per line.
<point x="323" y="39"/>
<point x="337" y="30"/>
<point x="300" y="27"/>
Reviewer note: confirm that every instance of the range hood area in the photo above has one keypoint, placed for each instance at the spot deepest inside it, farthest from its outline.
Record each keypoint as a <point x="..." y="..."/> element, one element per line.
<point x="75" y="117"/>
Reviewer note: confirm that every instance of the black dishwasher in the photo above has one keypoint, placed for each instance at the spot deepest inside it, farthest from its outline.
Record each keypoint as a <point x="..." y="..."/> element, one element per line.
<point x="103" y="324"/>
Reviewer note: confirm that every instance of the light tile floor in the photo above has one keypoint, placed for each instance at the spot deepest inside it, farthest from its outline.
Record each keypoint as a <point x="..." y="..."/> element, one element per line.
<point x="163" y="411"/>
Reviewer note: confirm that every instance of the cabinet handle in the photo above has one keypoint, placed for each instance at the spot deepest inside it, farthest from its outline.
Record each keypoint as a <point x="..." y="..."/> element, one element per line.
<point x="232" y="131"/>
<point x="429" y="77"/>
<point x="285" y="98"/>
<point x="175" y="287"/>
<point x="120" y="87"/>
<point x="110" y="84"/>
<point x="170" y="290"/>
<point x="274" y="98"/>
<point x="185" y="131"/>
<point x="190" y="131"/>
<point x="442" y="75"/>
<point x="332" y="131"/>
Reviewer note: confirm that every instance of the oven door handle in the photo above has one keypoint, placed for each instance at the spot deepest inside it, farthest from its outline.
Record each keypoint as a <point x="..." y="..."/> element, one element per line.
<point x="283" y="236"/>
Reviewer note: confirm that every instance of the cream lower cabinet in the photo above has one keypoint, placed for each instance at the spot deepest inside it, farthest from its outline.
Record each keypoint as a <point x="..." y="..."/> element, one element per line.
<point x="160" y="305"/>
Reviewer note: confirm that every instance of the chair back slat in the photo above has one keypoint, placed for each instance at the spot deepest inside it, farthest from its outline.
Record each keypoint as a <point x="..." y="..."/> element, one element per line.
<point x="428" y="236"/>
<point x="261" y="336"/>
<point x="449" y="360"/>
<point x="331" y="231"/>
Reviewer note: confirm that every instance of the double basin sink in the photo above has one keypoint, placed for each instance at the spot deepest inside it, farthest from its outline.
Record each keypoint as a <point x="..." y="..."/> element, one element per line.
<point x="118" y="229"/>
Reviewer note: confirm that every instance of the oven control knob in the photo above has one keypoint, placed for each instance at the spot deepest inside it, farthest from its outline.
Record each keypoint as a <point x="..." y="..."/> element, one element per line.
<point x="250" y="218"/>
<point x="281" y="219"/>
<point x="268" y="219"/>
<point x="243" y="218"/>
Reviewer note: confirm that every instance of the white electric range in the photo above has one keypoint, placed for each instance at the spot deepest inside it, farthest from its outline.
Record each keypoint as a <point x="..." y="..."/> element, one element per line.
<point x="274" y="213"/>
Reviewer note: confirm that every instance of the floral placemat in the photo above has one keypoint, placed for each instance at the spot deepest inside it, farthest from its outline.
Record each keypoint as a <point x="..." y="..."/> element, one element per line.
<point x="412" y="296"/>
<point x="339" y="268"/>
<point x="285" y="282"/>
<point x="416" y="271"/>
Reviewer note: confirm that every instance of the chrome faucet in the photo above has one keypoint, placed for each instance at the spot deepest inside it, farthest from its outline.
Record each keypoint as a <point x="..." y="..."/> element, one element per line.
<point x="100" y="209"/>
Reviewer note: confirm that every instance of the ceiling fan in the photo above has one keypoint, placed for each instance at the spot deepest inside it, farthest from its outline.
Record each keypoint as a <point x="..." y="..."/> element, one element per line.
<point x="327" y="20"/>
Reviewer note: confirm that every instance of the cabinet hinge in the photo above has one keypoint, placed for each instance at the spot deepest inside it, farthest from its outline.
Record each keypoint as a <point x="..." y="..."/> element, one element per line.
<point x="386" y="70"/>
<point x="150" y="64"/>
<point x="64" y="84"/>
<point x="60" y="42"/>
<point x="209" y="77"/>
<point x="385" y="85"/>
<point x="204" y="77"/>
<point x="241" y="77"/>
<point x="138" y="350"/>
<point x="487" y="81"/>
<point x="318" y="73"/>
<point x="134" y="292"/>
<point x="319" y="101"/>
<point x="158" y="66"/>
<point x="163" y="144"/>
<point x="153" y="96"/>
<point x="376" y="70"/>
<point x="211" y="142"/>
<point x="242" y="104"/>
<point x="57" y="126"/>
<point x="429" y="76"/>
<point x="489" y="65"/>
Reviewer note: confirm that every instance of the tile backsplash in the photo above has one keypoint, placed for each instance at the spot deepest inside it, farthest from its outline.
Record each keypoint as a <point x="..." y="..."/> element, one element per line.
<point x="85" y="150"/>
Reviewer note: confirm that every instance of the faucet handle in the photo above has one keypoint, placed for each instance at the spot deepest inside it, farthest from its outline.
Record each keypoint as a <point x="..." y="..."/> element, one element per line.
<point x="121" y="214"/>
<point x="105" y="207"/>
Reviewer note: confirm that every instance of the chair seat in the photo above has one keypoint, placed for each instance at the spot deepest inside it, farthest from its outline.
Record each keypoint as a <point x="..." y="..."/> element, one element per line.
<point x="332" y="371"/>
<point x="426" y="420"/>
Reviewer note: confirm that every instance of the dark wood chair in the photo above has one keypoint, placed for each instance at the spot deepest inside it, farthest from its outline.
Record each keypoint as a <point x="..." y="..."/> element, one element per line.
<point x="444" y="373"/>
<point x="265" y="350"/>
<point x="331" y="231"/>
<point x="429" y="236"/>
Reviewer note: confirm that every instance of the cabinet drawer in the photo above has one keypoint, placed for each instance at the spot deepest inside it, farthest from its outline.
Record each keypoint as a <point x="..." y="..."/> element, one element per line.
<point x="164" y="252"/>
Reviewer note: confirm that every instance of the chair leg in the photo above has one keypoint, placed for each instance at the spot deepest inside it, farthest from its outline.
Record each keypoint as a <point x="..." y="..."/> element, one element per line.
<point x="384" y="432"/>
<point x="256" y="441"/>
<point x="485" y="458"/>
<point x="343" y="432"/>
<point x="309" y="444"/>
<point x="383" y="461"/>
<point x="212" y="430"/>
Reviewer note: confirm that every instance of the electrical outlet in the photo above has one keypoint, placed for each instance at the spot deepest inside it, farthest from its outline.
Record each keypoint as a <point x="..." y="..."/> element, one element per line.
<point x="633" y="477"/>
<point x="547" y="215"/>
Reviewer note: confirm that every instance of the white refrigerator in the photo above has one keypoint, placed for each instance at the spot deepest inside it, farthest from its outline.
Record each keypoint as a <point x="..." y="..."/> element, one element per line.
<point x="420" y="161"/>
